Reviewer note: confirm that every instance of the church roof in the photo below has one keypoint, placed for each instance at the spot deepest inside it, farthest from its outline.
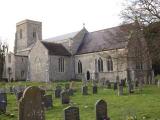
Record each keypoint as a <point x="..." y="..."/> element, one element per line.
<point x="107" y="39"/>
<point x="56" y="49"/>
<point x="62" y="37"/>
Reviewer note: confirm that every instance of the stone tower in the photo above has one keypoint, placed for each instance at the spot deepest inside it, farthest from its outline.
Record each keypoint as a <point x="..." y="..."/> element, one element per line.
<point x="27" y="32"/>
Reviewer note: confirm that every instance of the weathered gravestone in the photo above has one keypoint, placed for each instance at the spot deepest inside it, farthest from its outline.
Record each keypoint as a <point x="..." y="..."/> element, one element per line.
<point x="84" y="90"/>
<point x="48" y="102"/>
<point x="31" y="106"/>
<point x="130" y="88"/>
<point x="120" y="89"/>
<point x="95" y="89"/>
<point x="136" y="83"/>
<point x="108" y="84"/>
<point x="71" y="113"/>
<point x="65" y="97"/>
<point x="58" y="91"/>
<point x="115" y="86"/>
<point x="67" y="85"/>
<point x="101" y="110"/>
<point x="3" y="102"/>
<point x="70" y="92"/>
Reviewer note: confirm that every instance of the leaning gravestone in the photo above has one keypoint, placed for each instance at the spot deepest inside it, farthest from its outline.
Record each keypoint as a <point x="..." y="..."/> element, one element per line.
<point x="3" y="102"/>
<point x="84" y="90"/>
<point x="65" y="97"/>
<point x="31" y="104"/>
<point x="48" y="102"/>
<point x="101" y="110"/>
<point x="58" y="92"/>
<point x="71" y="113"/>
<point x="95" y="89"/>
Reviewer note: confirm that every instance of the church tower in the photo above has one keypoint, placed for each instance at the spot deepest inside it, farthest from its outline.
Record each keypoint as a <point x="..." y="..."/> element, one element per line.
<point x="27" y="32"/>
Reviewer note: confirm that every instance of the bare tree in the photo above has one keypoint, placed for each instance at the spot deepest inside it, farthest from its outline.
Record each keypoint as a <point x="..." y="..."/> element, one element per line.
<point x="146" y="11"/>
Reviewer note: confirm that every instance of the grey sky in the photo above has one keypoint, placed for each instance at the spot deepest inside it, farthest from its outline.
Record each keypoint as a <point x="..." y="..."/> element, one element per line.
<point x="58" y="16"/>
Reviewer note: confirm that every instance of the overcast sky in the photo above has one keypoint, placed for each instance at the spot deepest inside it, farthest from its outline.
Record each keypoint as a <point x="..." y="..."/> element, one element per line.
<point x="58" y="16"/>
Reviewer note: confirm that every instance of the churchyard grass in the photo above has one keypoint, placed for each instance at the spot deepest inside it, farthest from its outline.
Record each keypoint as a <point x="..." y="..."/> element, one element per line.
<point x="145" y="104"/>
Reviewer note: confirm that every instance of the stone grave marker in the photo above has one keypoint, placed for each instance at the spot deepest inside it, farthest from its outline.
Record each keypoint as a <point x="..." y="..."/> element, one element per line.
<point x="67" y="85"/>
<point x="136" y="83"/>
<point x="3" y="102"/>
<point x="115" y="86"/>
<point x="84" y="90"/>
<point x="120" y="89"/>
<point x="130" y="88"/>
<point x="31" y="106"/>
<point x="19" y="95"/>
<point x="58" y="91"/>
<point x="71" y="113"/>
<point x="101" y="110"/>
<point x="95" y="89"/>
<point x="70" y="92"/>
<point x="48" y="102"/>
<point x="65" y="97"/>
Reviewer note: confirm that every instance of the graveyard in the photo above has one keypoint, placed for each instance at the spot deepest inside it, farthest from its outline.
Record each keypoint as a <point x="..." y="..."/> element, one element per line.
<point x="142" y="104"/>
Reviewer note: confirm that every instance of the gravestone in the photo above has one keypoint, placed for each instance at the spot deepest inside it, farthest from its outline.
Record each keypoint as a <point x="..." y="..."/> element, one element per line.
<point x="48" y="102"/>
<point x="67" y="86"/>
<point x="115" y="86"/>
<point x="101" y="110"/>
<point x="95" y="89"/>
<point x="3" y="102"/>
<point x="58" y="92"/>
<point x="120" y="89"/>
<point x="70" y="92"/>
<point x="130" y="88"/>
<point x="71" y="113"/>
<point x="84" y="90"/>
<point x="72" y="86"/>
<point x="31" y="104"/>
<point x="65" y="97"/>
<point x="136" y="83"/>
<point x="19" y="95"/>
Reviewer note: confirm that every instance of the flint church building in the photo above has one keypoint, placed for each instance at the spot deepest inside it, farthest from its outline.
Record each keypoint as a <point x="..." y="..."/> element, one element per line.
<point x="110" y="54"/>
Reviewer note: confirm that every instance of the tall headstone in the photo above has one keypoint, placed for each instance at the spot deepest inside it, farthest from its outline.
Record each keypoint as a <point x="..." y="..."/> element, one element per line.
<point x="3" y="102"/>
<point x="48" y="102"/>
<point x="84" y="90"/>
<point x="101" y="110"/>
<point x="65" y="97"/>
<point x="31" y="106"/>
<point x="95" y="89"/>
<point x="115" y="86"/>
<point x="58" y="92"/>
<point x="71" y="113"/>
<point x="120" y="90"/>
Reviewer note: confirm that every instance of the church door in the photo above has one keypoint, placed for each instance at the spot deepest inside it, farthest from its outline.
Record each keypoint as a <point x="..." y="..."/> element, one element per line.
<point x="88" y="75"/>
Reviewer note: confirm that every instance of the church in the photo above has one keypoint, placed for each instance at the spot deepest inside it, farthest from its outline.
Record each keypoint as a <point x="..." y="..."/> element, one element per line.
<point x="110" y="54"/>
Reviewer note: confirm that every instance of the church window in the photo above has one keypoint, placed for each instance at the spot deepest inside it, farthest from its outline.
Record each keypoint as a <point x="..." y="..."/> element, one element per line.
<point x="34" y="34"/>
<point x="100" y="65"/>
<point x="61" y="64"/>
<point x="138" y="59"/>
<point x="21" y="34"/>
<point x="22" y="74"/>
<point x="109" y="64"/>
<point x="9" y="58"/>
<point x="38" y="65"/>
<point x="79" y="67"/>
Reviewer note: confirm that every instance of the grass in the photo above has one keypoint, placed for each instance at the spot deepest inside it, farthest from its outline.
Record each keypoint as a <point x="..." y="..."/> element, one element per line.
<point x="144" y="104"/>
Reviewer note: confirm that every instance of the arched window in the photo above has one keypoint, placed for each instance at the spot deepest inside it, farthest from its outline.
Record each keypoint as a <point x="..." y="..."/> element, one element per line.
<point x="138" y="58"/>
<point x="79" y="67"/>
<point x="21" y="34"/>
<point x="109" y="64"/>
<point x="100" y="65"/>
<point x="61" y="64"/>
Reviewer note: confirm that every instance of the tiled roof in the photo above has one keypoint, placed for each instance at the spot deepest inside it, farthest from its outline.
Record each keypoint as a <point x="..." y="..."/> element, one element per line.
<point x="56" y="49"/>
<point x="61" y="37"/>
<point x="107" y="39"/>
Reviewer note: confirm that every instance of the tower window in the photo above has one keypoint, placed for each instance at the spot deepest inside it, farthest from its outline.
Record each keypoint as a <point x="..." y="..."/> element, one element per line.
<point x="61" y="64"/>
<point x="20" y="35"/>
<point x="34" y="34"/>
<point x="79" y="67"/>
